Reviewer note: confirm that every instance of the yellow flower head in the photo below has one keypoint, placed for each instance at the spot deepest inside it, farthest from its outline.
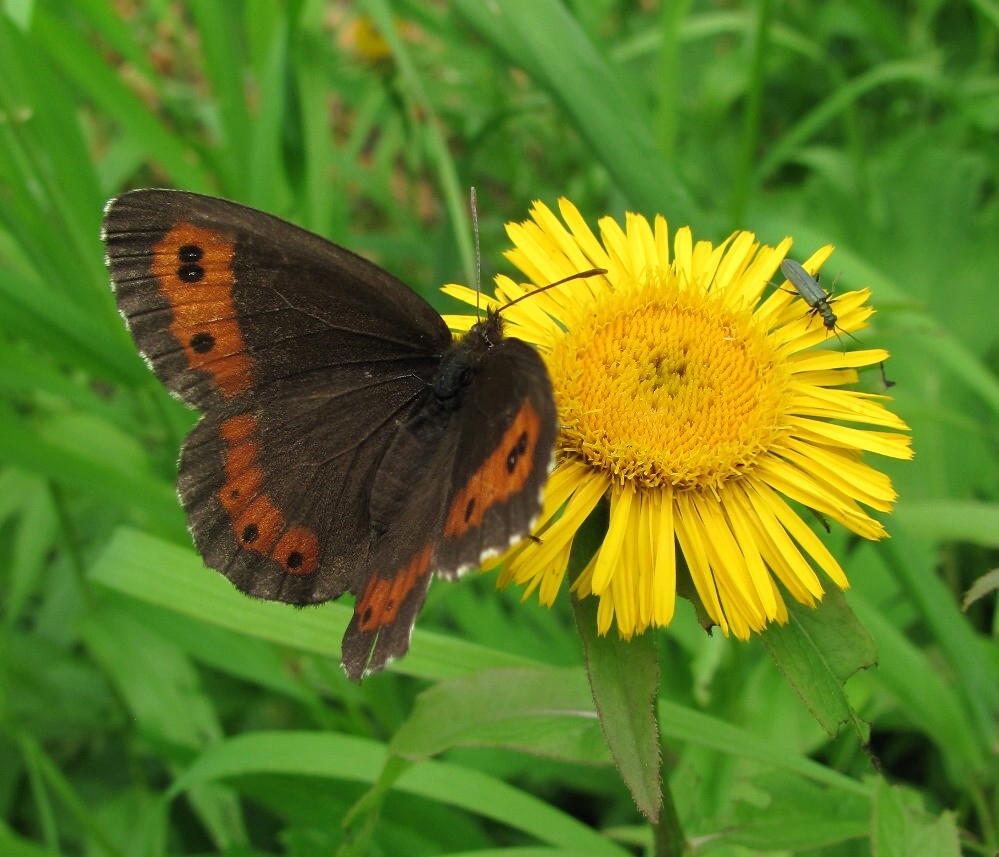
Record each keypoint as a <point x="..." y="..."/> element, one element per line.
<point x="693" y="404"/>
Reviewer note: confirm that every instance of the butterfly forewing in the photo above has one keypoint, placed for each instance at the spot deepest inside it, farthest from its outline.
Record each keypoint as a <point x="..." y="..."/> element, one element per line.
<point x="238" y="282"/>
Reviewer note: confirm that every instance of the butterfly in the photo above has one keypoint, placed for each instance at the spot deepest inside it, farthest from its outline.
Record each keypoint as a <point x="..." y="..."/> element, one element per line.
<point x="347" y="443"/>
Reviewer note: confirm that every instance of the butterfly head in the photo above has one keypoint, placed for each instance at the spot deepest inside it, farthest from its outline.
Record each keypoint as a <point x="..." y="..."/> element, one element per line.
<point x="464" y="357"/>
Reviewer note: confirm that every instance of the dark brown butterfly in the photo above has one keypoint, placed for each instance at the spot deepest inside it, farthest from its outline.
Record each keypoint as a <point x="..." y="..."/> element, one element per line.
<point x="347" y="444"/>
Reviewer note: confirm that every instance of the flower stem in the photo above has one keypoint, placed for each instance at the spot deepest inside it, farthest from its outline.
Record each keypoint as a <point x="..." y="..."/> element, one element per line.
<point x="667" y="834"/>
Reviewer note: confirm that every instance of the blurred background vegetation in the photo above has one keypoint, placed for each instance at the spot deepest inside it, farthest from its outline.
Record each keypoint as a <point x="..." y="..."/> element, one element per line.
<point x="146" y="708"/>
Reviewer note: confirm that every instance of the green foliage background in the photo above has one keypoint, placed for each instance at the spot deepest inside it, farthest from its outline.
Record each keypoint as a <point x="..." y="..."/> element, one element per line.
<point x="148" y="709"/>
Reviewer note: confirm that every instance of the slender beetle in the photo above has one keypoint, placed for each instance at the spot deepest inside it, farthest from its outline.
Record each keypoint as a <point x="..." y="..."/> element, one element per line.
<point x="810" y="290"/>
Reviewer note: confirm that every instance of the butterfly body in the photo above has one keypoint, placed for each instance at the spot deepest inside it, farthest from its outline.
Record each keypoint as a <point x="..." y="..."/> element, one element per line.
<point x="347" y="445"/>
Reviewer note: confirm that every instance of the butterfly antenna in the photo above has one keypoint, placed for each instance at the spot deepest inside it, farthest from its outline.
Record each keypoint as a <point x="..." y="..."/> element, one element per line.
<point x="581" y="275"/>
<point x="474" y="204"/>
<point x="478" y="255"/>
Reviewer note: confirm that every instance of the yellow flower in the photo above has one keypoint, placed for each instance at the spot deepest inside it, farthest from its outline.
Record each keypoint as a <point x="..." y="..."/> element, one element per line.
<point x="696" y="406"/>
<point x="362" y="36"/>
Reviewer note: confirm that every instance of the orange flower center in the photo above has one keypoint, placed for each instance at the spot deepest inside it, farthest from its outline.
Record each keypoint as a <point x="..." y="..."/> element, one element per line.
<point x="668" y="386"/>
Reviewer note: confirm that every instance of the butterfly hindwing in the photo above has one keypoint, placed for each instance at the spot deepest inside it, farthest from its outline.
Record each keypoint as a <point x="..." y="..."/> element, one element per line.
<point x="477" y="494"/>
<point x="506" y="456"/>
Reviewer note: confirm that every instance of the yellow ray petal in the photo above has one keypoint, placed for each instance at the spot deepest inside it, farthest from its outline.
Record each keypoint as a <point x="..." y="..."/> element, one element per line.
<point x="610" y="551"/>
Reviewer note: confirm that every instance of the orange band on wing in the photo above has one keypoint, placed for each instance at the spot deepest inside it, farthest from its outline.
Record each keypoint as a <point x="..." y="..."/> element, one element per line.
<point x="383" y="596"/>
<point x="194" y="269"/>
<point x="499" y="477"/>
<point x="257" y="523"/>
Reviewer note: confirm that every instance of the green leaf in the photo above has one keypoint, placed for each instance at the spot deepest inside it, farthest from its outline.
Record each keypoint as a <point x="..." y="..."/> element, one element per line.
<point x="952" y="520"/>
<point x="93" y="470"/>
<point x="978" y="683"/>
<point x="225" y="70"/>
<point x="35" y="535"/>
<point x="547" y="712"/>
<point x="799" y="816"/>
<point x="515" y="851"/>
<point x="987" y="583"/>
<point x="817" y="651"/>
<point x="52" y="203"/>
<point x="15" y="846"/>
<point x="255" y="661"/>
<point x="156" y="680"/>
<point x="903" y="827"/>
<point x="74" y="337"/>
<point x="624" y="680"/>
<point x="104" y="85"/>
<point x="362" y="819"/>
<point x="929" y="702"/>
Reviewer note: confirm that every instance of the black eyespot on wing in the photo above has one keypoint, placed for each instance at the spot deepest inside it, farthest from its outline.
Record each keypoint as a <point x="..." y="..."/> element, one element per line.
<point x="190" y="253"/>
<point x="202" y="342"/>
<point x="190" y="273"/>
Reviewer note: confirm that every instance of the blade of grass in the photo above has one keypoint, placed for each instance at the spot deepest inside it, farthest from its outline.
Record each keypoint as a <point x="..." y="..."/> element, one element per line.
<point x="886" y="74"/>
<point x="93" y="475"/>
<point x="182" y="583"/>
<point x="361" y="760"/>
<point x="928" y="703"/>
<point x="685" y="725"/>
<point x="454" y="194"/>
<point x="103" y="86"/>
<point x="544" y="39"/>
<point x="51" y="217"/>
<point x="224" y="66"/>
